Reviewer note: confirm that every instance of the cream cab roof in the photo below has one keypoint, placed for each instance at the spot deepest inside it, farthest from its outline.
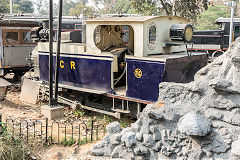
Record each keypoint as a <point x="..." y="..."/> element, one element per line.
<point x="138" y="19"/>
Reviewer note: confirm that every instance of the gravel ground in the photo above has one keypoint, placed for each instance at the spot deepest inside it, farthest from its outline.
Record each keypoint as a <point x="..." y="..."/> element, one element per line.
<point x="72" y="153"/>
<point x="14" y="108"/>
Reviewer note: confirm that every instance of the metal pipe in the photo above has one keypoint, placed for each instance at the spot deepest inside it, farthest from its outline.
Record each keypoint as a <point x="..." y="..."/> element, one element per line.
<point x="50" y="53"/>
<point x="231" y="23"/>
<point x="58" y="50"/>
<point x="11" y="7"/>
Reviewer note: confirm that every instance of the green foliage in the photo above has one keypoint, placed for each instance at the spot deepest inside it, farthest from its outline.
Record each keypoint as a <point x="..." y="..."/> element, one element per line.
<point x="26" y="6"/>
<point x="79" y="113"/>
<point x="50" y="141"/>
<point x="114" y="6"/>
<point x="13" y="147"/>
<point x="42" y="7"/>
<point x="146" y="7"/>
<point x="68" y="142"/>
<point x="124" y="122"/>
<point x="3" y="6"/>
<point x="107" y="119"/>
<point x="206" y="20"/>
<point x="84" y="141"/>
<point x="80" y="8"/>
<point x="121" y="7"/>
<point x="67" y="5"/>
<point x="188" y="9"/>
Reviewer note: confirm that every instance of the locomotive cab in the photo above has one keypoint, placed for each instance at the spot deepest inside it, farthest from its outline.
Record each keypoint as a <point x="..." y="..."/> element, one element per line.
<point x="140" y="47"/>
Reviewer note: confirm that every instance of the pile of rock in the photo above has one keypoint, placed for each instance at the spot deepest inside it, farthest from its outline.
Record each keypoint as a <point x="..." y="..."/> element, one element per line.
<point x="199" y="120"/>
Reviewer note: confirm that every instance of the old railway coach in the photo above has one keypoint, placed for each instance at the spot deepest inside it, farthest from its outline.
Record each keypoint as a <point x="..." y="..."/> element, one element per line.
<point x="123" y="61"/>
<point x="15" y="46"/>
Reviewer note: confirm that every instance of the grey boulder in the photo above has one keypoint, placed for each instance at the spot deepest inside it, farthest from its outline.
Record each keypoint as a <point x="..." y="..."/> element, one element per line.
<point x="113" y="128"/>
<point x="194" y="124"/>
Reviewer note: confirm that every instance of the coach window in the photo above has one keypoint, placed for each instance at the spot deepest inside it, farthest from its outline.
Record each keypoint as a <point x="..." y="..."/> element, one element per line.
<point x="152" y="36"/>
<point x="26" y="37"/>
<point x="11" y="37"/>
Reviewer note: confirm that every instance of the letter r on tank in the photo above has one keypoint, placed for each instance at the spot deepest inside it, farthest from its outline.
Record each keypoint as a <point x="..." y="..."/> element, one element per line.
<point x="72" y="65"/>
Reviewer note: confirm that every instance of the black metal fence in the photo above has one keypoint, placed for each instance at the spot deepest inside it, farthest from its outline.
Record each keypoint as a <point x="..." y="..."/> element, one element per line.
<point x="55" y="132"/>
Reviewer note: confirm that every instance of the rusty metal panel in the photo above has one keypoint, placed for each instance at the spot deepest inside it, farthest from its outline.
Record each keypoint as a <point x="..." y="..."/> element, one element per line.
<point x="17" y="55"/>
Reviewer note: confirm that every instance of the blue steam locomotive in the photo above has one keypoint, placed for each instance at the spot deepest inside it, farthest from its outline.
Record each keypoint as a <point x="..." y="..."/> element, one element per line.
<point x="124" y="59"/>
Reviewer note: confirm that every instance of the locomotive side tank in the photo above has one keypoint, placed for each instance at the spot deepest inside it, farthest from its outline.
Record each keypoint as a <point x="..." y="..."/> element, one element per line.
<point x="125" y="59"/>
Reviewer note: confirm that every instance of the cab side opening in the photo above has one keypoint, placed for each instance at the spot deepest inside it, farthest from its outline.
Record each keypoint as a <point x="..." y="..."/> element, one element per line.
<point x="119" y="41"/>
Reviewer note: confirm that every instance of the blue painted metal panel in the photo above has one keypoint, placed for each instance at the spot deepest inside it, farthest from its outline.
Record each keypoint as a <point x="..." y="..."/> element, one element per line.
<point x="85" y="73"/>
<point x="143" y="78"/>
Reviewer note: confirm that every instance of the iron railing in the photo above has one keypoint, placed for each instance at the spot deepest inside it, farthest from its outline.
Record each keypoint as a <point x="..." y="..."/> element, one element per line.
<point x="54" y="132"/>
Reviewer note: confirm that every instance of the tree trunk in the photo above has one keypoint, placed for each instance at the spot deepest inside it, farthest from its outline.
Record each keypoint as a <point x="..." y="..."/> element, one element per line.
<point x="164" y="6"/>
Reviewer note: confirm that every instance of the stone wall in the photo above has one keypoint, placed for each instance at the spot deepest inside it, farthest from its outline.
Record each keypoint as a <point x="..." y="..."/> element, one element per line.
<point x="199" y="120"/>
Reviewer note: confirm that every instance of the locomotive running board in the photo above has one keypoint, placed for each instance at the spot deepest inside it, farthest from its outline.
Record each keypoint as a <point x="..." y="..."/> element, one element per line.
<point x="129" y="99"/>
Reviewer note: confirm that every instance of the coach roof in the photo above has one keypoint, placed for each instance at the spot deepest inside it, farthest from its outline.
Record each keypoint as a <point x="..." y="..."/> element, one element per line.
<point x="140" y="19"/>
<point x="18" y="23"/>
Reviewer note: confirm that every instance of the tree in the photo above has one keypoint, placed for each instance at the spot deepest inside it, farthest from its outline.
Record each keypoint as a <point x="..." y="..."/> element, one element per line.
<point x="206" y="20"/>
<point x="68" y="5"/>
<point x="3" y="6"/>
<point x="80" y="8"/>
<point x="122" y="6"/>
<point x="104" y="6"/>
<point x="114" y="6"/>
<point x="42" y="7"/>
<point x="188" y="9"/>
<point x="26" y="6"/>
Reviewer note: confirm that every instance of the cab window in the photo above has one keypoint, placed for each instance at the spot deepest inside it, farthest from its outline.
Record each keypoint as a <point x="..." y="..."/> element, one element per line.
<point x="152" y="36"/>
<point x="11" y="37"/>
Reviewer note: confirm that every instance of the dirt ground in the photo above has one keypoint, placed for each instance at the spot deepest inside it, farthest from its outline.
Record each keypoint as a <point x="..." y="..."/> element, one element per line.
<point x="13" y="108"/>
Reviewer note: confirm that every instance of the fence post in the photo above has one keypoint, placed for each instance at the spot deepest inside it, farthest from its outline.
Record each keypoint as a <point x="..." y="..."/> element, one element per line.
<point x="1" y="130"/>
<point x="27" y="131"/>
<point x="92" y="131"/>
<point x="46" y="129"/>
<point x="97" y="132"/>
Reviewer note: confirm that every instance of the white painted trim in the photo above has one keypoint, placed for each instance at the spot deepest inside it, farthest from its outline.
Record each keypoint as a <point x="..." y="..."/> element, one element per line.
<point x="147" y="58"/>
<point x="204" y="46"/>
<point x="78" y="56"/>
